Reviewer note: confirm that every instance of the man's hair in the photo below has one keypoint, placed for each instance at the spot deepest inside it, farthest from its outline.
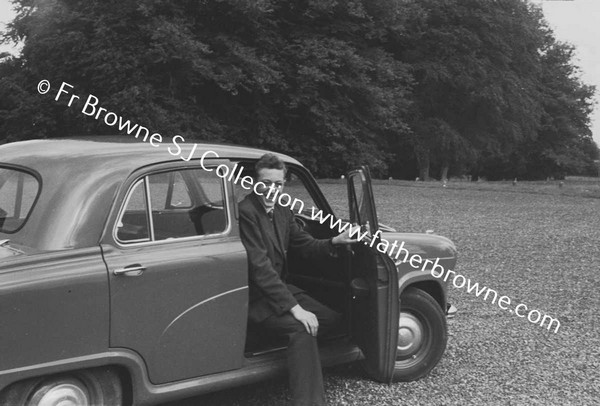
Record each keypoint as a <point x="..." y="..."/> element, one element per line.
<point x="269" y="161"/>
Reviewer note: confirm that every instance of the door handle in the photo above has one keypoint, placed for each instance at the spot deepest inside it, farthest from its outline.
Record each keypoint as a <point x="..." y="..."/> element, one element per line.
<point x="130" y="270"/>
<point x="360" y="288"/>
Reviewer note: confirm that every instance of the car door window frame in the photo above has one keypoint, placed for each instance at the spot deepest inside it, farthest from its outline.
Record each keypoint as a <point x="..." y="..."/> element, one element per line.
<point x="379" y="351"/>
<point x="119" y="223"/>
<point x="144" y="177"/>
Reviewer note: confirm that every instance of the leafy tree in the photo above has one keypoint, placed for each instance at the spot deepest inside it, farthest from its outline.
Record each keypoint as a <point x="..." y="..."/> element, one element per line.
<point x="475" y="65"/>
<point x="298" y="77"/>
<point x="448" y="85"/>
<point x="564" y="144"/>
<point x="563" y="141"/>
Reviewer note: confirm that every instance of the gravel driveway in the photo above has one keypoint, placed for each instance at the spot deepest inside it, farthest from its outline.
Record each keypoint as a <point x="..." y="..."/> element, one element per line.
<point x="542" y="250"/>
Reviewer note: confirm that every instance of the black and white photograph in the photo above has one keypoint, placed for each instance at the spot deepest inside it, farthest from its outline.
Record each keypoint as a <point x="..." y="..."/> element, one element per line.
<point x="299" y="203"/>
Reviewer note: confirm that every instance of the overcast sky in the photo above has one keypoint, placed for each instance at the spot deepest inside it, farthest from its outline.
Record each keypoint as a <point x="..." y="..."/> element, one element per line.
<point x="573" y="21"/>
<point x="6" y="15"/>
<point x="578" y="22"/>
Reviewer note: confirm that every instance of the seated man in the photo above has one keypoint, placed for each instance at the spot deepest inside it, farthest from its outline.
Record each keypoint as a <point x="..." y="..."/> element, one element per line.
<point x="267" y="232"/>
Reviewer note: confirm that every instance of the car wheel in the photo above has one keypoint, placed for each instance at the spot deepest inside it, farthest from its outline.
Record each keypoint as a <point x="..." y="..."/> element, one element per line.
<point x="96" y="387"/>
<point x="422" y="335"/>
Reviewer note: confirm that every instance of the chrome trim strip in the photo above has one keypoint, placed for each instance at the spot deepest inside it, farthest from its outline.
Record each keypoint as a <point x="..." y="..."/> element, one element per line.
<point x="149" y="208"/>
<point x="200" y="304"/>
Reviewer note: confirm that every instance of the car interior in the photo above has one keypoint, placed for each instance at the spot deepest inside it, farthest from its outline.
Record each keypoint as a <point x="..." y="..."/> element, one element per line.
<point x="327" y="279"/>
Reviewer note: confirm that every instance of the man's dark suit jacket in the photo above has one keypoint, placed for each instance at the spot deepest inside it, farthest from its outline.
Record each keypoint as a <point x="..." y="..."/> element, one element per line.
<point x="267" y="243"/>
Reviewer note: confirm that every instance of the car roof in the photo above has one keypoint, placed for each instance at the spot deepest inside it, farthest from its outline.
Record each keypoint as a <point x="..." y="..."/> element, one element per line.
<point x="83" y="151"/>
<point x="80" y="178"/>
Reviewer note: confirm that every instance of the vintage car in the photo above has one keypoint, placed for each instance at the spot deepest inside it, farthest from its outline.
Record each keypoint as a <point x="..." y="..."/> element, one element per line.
<point x="123" y="279"/>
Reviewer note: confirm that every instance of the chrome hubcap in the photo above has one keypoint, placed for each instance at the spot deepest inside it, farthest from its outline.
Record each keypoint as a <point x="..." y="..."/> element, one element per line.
<point x="65" y="394"/>
<point x="410" y="336"/>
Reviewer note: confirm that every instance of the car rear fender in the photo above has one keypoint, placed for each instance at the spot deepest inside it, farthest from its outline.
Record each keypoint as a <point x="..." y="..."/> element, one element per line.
<point x="53" y="305"/>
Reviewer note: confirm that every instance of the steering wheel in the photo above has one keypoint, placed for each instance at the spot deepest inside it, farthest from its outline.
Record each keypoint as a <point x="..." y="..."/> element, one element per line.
<point x="301" y="222"/>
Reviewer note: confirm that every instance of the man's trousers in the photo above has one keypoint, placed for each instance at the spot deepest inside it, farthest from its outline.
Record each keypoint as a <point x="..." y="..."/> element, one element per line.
<point x="304" y="363"/>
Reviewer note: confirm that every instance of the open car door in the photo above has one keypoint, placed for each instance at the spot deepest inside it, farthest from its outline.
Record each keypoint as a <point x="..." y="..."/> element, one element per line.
<point x="374" y="281"/>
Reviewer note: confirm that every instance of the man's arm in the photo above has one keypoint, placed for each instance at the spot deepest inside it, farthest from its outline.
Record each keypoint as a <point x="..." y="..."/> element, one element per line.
<point x="306" y="244"/>
<point x="310" y="246"/>
<point x="261" y="270"/>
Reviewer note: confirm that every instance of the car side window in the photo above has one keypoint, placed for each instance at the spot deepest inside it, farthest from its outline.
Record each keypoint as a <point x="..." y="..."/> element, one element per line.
<point x="173" y="188"/>
<point x="178" y="204"/>
<point x="18" y="191"/>
<point x="358" y="212"/>
<point x="295" y="187"/>
<point x="133" y="224"/>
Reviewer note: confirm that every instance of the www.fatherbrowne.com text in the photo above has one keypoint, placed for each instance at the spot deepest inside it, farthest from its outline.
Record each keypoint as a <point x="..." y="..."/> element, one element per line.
<point x="400" y="254"/>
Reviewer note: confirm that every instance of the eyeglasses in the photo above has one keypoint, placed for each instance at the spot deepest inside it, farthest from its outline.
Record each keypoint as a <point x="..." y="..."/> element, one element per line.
<point x="268" y="183"/>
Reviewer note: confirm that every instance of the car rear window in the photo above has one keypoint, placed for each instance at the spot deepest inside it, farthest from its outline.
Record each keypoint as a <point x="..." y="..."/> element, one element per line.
<point x="18" y="191"/>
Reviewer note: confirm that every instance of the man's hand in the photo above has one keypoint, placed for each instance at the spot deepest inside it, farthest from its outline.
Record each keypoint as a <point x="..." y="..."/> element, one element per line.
<point x="343" y="238"/>
<point x="307" y="318"/>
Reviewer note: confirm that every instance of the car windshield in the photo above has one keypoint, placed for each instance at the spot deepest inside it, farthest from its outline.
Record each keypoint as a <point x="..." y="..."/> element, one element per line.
<point x="18" y="191"/>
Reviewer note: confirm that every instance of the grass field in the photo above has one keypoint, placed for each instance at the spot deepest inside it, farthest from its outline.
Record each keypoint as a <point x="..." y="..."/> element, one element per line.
<point x="535" y="242"/>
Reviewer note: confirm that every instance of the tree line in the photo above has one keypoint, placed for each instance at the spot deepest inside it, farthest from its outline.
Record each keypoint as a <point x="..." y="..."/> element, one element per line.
<point x="428" y="88"/>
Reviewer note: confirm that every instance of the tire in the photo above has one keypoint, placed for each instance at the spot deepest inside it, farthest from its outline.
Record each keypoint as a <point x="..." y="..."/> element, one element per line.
<point x="94" y="387"/>
<point x="422" y="335"/>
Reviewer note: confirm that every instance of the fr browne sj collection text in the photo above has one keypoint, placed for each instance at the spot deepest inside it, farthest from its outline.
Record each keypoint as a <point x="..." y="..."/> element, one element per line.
<point x="92" y="108"/>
